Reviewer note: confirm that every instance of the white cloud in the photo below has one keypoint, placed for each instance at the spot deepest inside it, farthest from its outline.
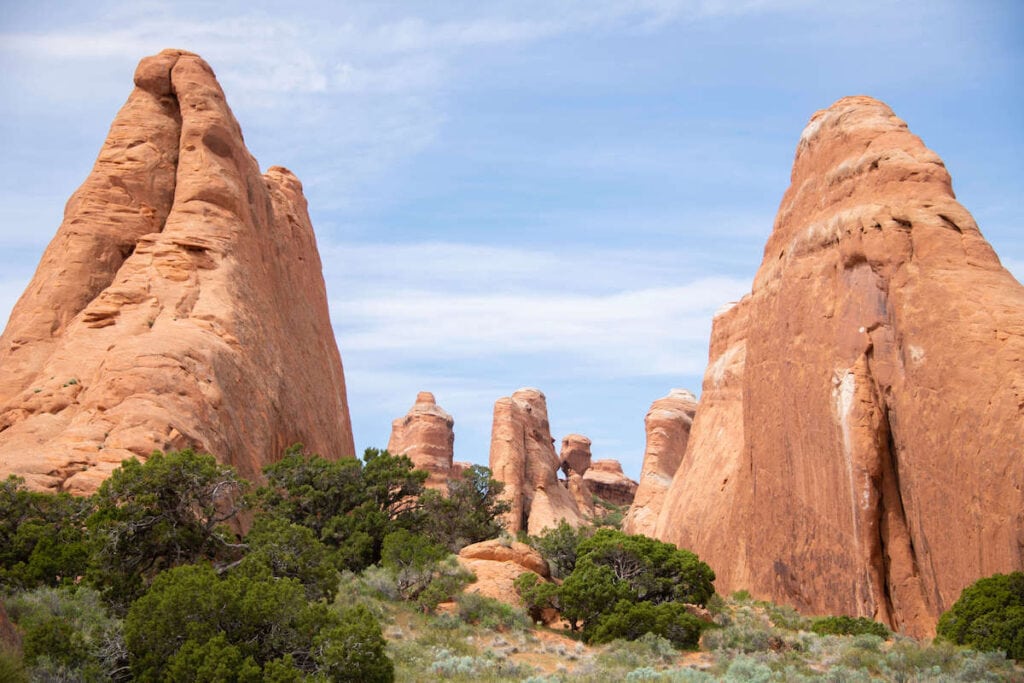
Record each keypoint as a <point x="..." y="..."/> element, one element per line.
<point x="621" y="313"/>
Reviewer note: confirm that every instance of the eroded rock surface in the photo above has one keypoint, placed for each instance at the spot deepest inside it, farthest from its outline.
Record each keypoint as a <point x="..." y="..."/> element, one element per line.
<point x="575" y="456"/>
<point x="857" y="448"/>
<point x="523" y="458"/>
<point x="667" y="425"/>
<point x="606" y="480"/>
<point x="181" y="304"/>
<point x="498" y="564"/>
<point x="426" y="435"/>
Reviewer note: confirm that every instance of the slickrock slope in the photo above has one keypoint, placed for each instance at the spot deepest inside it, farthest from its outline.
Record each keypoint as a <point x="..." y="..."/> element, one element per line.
<point x="858" y="445"/>
<point x="181" y="303"/>
<point x="667" y="425"/>
<point x="426" y="435"/>
<point x="606" y="480"/>
<point x="523" y="458"/>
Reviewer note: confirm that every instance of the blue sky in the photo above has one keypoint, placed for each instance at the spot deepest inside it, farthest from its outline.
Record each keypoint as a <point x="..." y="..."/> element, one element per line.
<point x="549" y="194"/>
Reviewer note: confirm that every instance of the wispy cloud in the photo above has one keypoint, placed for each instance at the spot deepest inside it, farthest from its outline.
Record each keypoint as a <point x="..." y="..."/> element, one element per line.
<point x="447" y="301"/>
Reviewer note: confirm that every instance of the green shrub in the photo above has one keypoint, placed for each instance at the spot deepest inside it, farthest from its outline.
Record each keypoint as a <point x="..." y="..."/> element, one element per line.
<point x="68" y="629"/>
<point x="42" y="536"/>
<point x="613" y="568"/>
<point x="350" y="505"/>
<point x="447" y="581"/>
<point x="989" y="615"/>
<point x="412" y="559"/>
<point x="558" y="547"/>
<point x="471" y="511"/>
<point x="848" y="626"/>
<point x="746" y="637"/>
<point x="629" y="621"/>
<point x="648" y="650"/>
<point x="170" y="511"/>
<point x="291" y="551"/>
<point x="12" y="668"/>
<point x="490" y="613"/>
<point x="354" y="649"/>
<point x="535" y="594"/>
<point x="260" y="626"/>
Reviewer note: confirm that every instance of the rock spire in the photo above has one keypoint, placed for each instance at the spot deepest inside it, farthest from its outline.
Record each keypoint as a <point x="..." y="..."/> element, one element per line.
<point x="181" y="304"/>
<point x="857" y="448"/>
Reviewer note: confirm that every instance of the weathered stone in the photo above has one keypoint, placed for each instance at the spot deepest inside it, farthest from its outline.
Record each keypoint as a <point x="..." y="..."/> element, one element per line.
<point x="667" y="425"/>
<point x="426" y="436"/>
<point x="606" y="480"/>
<point x="575" y="454"/>
<point x="582" y="494"/>
<point x="498" y="564"/>
<point x="523" y="458"/>
<point x="181" y="304"/>
<point x="857" y="447"/>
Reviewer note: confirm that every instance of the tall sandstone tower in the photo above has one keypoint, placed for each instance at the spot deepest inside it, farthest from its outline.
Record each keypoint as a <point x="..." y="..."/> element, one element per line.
<point x="859" y="444"/>
<point x="181" y="304"/>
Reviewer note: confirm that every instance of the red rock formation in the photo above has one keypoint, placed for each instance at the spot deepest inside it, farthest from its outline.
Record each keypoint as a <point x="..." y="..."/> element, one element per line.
<point x="497" y="565"/>
<point x="523" y="458"/>
<point x="575" y="454"/>
<point x="180" y="304"/>
<point x="607" y="481"/>
<point x="425" y="435"/>
<point x="668" y="425"/>
<point x="857" y="448"/>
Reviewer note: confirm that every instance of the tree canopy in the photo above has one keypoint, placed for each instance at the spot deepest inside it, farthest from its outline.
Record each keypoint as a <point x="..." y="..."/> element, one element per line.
<point x="989" y="615"/>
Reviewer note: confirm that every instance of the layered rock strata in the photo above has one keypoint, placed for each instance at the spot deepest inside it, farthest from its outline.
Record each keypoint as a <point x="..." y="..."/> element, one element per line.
<point x="667" y="425"/>
<point x="523" y="458"/>
<point x="181" y="304"/>
<point x="426" y="435"/>
<point x="857" y="448"/>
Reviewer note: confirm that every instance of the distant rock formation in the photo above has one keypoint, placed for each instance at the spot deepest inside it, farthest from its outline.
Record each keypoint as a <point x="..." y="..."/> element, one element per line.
<point x="181" y="304"/>
<point x="575" y="455"/>
<point x="606" y="480"/>
<point x="668" y="425"/>
<point x="523" y="458"/>
<point x="858" y="444"/>
<point x="426" y="436"/>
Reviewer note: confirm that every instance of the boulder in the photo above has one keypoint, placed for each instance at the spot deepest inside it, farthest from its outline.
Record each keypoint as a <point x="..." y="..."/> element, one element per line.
<point x="497" y="564"/>
<point x="606" y="480"/>
<point x="425" y="434"/>
<point x="667" y="425"/>
<point x="180" y="304"/>
<point x="575" y="454"/>
<point x="857" y="446"/>
<point x="523" y="458"/>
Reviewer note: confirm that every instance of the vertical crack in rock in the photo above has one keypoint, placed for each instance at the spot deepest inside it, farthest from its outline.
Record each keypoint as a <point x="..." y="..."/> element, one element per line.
<point x="879" y="405"/>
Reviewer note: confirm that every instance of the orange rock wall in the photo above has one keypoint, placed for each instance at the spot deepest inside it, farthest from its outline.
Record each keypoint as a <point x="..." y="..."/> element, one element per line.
<point x="857" y="448"/>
